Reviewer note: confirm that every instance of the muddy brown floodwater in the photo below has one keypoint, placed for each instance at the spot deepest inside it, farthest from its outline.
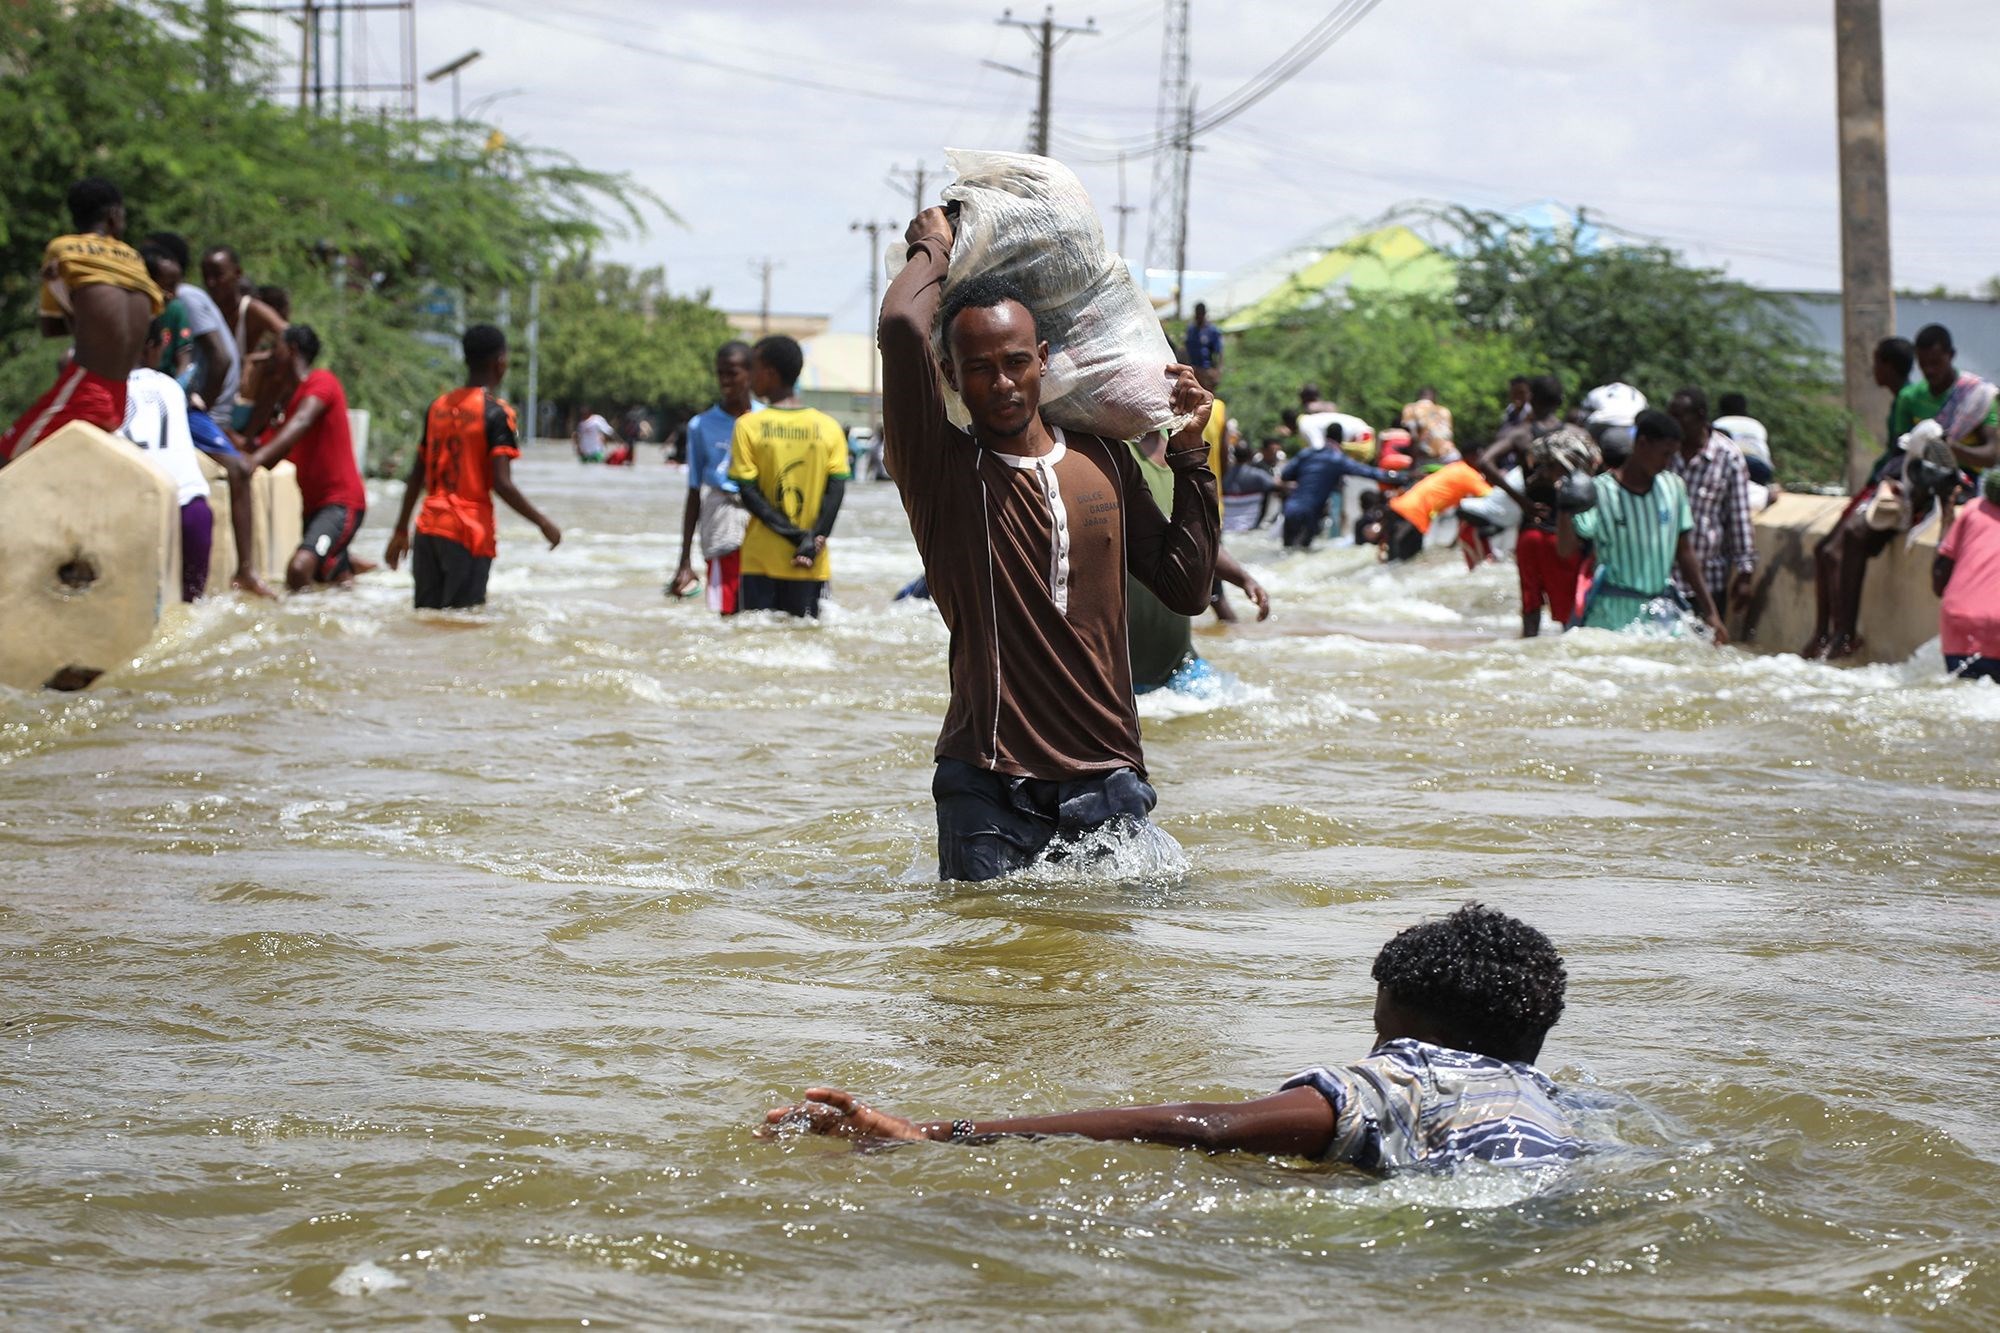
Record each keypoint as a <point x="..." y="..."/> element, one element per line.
<point x="358" y="966"/>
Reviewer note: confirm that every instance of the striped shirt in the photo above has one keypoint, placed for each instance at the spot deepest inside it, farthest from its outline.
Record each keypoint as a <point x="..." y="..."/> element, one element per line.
<point x="1411" y="1104"/>
<point x="1718" y="485"/>
<point x="1635" y="537"/>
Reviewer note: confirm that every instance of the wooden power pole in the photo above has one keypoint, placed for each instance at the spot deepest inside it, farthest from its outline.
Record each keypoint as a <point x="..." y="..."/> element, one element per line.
<point x="1047" y="35"/>
<point x="1867" y="295"/>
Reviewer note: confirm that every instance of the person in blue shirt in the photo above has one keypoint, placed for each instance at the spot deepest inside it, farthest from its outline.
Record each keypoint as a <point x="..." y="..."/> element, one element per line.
<point x="1316" y="474"/>
<point x="713" y="507"/>
<point x="1462" y="1005"/>
<point x="1204" y="348"/>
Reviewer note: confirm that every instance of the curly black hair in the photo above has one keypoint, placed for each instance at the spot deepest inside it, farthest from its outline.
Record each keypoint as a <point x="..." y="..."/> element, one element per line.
<point x="981" y="293"/>
<point x="1492" y="982"/>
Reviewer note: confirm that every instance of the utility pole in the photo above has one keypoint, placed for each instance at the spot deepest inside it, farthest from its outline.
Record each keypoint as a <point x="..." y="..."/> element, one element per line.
<point x="763" y="268"/>
<point x="351" y="82"/>
<point x="1123" y="209"/>
<point x="916" y="175"/>
<point x="1186" y="192"/>
<point x="535" y="353"/>
<point x="1867" y="297"/>
<point x="1168" y="213"/>
<point x="875" y="230"/>
<point x="1047" y="35"/>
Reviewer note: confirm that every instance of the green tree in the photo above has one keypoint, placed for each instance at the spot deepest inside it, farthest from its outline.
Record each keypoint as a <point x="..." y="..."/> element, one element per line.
<point x="387" y="232"/>
<point x="1531" y="300"/>
<point x="1371" y="354"/>
<point x="614" y="337"/>
<point x="1593" y="312"/>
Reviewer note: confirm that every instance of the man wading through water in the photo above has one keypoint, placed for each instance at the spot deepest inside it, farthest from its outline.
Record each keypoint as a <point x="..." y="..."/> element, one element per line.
<point x="1026" y="535"/>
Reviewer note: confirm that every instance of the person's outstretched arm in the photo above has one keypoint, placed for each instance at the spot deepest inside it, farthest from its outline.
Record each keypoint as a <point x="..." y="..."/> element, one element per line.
<point x="311" y="409"/>
<point x="1298" y="1122"/>
<point x="912" y="385"/>
<point x="1174" y="556"/>
<point x="502" y="466"/>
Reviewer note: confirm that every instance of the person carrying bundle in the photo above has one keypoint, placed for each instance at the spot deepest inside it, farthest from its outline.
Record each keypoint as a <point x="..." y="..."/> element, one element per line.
<point x="1027" y="532"/>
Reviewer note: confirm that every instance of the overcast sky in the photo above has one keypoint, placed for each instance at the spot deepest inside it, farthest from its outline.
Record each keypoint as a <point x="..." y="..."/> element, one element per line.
<point x="771" y="125"/>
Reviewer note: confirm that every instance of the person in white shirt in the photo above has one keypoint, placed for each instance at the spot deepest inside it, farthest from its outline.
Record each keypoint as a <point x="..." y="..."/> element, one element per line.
<point x="591" y="433"/>
<point x="156" y="423"/>
<point x="1747" y="434"/>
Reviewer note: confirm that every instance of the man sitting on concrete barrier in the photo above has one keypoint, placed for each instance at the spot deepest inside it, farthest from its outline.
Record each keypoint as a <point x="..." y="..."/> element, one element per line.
<point x="1884" y="509"/>
<point x="317" y="437"/>
<point x="95" y="290"/>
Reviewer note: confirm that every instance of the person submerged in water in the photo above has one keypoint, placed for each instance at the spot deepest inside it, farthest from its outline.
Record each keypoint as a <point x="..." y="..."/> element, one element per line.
<point x="1462" y="1005"/>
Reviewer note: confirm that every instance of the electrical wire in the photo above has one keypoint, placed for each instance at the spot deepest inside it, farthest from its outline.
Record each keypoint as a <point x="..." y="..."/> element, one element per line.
<point x="1337" y="23"/>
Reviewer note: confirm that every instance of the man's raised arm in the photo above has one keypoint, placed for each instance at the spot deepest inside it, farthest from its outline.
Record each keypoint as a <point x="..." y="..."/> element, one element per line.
<point x="912" y="393"/>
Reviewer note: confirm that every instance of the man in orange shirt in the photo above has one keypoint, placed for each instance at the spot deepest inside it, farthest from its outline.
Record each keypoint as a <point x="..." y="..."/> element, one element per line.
<point x="465" y="459"/>
<point x="1401" y="532"/>
<point x="95" y="289"/>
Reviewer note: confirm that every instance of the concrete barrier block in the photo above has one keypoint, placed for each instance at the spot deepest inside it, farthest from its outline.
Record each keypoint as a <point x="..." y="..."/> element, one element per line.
<point x="222" y="554"/>
<point x="89" y="558"/>
<point x="279" y="522"/>
<point x="1899" y="613"/>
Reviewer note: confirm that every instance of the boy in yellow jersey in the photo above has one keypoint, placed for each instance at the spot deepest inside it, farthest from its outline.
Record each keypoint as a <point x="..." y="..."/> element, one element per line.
<point x="790" y="463"/>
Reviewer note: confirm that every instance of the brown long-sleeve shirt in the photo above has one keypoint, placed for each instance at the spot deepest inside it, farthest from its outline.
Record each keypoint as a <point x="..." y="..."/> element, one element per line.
<point x="1027" y="557"/>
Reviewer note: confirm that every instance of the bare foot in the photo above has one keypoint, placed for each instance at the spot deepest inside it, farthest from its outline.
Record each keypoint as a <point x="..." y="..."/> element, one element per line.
<point x="1815" y="649"/>
<point x="1842" y="649"/>
<point x="251" y="584"/>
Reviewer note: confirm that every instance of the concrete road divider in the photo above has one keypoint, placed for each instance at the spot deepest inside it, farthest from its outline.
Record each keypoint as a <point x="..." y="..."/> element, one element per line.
<point x="89" y="558"/>
<point x="1899" y="614"/>
<point x="280" y="520"/>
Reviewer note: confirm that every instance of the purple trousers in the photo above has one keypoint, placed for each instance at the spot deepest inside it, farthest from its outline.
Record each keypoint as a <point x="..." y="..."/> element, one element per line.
<point x="197" y="544"/>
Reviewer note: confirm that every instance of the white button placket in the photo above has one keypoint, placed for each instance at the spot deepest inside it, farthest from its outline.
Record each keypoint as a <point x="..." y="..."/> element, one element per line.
<point x="1058" y="537"/>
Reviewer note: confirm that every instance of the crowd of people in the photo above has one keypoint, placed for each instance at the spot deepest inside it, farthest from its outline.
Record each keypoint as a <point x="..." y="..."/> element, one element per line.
<point x="1068" y="569"/>
<point x="221" y="368"/>
<point x="1624" y="516"/>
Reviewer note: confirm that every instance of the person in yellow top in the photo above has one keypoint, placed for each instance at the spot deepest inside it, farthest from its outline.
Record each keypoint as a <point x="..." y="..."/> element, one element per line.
<point x="95" y="290"/>
<point x="790" y="464"/>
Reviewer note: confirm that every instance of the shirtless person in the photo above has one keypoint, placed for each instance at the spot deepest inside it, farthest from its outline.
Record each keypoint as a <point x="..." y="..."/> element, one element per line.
<point x="95" y="289"/>
<point x="1026" y="535"/>
<point x="256" y="329"/>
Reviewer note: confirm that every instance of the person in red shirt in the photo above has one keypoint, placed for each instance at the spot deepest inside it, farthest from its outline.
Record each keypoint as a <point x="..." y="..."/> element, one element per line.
<point x="318" y="440"/>
<point x="465" y="459"/>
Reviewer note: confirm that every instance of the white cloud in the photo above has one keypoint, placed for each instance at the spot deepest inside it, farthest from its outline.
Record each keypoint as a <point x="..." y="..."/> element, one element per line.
<point x="1707" y="122"/>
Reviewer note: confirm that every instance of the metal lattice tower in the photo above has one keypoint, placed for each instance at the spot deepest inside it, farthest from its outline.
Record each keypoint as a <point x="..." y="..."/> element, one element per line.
<point x="1167" y="219"/>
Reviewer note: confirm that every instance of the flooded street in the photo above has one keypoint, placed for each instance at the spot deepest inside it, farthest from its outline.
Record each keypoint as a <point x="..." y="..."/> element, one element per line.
<point x="358" y="964"/>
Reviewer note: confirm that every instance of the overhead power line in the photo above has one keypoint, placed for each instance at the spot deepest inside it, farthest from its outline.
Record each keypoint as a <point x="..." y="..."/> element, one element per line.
<point x="1341" y="20"/>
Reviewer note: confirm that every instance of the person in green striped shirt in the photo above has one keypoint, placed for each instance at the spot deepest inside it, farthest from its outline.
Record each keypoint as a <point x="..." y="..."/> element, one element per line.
<point x="1637" y="521"/>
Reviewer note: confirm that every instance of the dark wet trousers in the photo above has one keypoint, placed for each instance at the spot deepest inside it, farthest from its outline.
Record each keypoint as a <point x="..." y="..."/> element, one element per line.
<point x="991" y="824"/>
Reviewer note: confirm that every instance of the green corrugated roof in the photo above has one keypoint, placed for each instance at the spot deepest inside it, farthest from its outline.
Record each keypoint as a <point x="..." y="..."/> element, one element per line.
<point x="1391" y="259"/>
